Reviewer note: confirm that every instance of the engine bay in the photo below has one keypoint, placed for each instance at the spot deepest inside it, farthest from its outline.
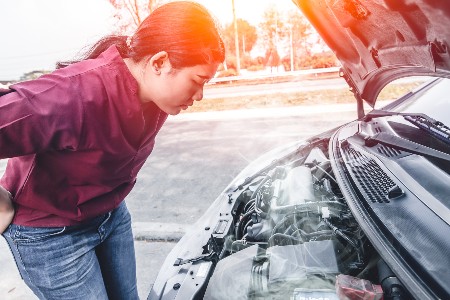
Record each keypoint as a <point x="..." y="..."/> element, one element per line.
<point x="291" y="235"/>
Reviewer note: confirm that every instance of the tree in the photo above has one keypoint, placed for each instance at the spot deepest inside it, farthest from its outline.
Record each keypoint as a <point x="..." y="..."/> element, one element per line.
<point x="272" y="28"/>
<point x="272" y="58"/>
<point x="272" y="32"/>
<point x="246" y="33"/>
<point x="294" y="37"/>
<point x="130" y="13"/>
<point x="310" y="51"/>
<point x="299" y="31"/>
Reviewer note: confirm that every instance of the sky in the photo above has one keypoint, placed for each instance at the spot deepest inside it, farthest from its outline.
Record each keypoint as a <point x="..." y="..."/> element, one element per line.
<point x="37" y="34"/>
<point x="250" y="10"/>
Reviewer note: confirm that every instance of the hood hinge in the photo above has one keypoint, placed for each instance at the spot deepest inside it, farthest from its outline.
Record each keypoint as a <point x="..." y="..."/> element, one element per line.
<point x="441" y="57"/>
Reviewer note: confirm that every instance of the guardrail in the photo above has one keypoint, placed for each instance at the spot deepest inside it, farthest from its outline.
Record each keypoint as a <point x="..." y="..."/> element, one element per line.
<point x="274" y="75"/>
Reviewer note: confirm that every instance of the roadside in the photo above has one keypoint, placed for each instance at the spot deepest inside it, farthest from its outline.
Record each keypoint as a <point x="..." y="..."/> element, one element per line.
<point x="289" y="94"/>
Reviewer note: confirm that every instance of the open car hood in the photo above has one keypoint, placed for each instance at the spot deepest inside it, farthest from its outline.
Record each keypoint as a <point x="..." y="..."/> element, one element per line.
<point x="378" y="41"/>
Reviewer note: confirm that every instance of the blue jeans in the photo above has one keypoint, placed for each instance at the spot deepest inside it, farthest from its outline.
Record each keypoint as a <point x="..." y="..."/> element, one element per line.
<point x="95" y="260"/>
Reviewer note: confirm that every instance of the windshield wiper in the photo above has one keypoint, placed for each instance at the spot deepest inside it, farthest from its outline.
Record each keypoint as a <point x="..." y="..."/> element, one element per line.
<point x="430" y="125"/>
<point x="400" y="143"/>
<point x="436" y="128"/>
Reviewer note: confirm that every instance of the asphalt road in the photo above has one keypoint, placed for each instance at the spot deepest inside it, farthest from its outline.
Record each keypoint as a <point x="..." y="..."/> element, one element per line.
<point x="197" y="155"/>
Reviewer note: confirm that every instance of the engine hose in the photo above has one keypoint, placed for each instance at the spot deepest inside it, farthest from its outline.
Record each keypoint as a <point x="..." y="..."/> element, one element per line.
<point x="279" y="224"/>
<point x="337" y="231"/>
<point x="246" y="225"/>
<point x="286" y="217"/>
<point x="326" y="173"/>
<point x="249" y="204"/>
<point x="284" y="236"/>
<point x="259" y="197"/>
<point x="263" y="215"/>
<point x="239" y="229"/>
<point x="292" y="229"/>
<point x="304" y="234"/>
<point x="300" y="223"/>
<point x="265" y="179"/>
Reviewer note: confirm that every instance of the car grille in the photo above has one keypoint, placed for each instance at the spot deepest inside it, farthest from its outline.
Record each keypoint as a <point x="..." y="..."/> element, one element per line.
<point x="373" y="181"/>
<point x="389" y="152"/>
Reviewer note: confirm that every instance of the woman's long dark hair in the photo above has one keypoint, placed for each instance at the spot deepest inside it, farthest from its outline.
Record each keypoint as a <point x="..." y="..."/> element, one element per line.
<point x="184" y="29"/>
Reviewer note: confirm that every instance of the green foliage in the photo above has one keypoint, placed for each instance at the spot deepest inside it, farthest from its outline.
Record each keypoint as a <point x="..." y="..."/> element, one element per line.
<point x="319" y="60"/>
<point x="272" y="58"/>
<point x="246" y="61"/>
<point x="272" y="28"/>
<point x="227" y="73"/>
<point x="279" y="32"/>
<point x="231" y="62"/>
<point x="247" y="36"/>
<point x="254" y="68"/>
<point x="276" y="31"/>
<point x="315" y="61"/>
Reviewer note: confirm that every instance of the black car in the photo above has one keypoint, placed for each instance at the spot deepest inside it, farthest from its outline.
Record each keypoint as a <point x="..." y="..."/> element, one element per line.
<point x="359" y="212"/>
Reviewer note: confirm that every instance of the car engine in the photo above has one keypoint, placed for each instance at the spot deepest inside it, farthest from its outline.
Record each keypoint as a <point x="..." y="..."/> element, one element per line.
<point x="294" y="237"/>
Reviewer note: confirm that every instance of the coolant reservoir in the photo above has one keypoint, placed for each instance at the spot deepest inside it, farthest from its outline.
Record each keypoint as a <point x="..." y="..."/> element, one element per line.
<point x="296" y="189"/>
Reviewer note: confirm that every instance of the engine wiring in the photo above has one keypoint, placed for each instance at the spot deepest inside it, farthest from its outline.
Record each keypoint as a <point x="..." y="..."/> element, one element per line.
<point x="326" y="217"/>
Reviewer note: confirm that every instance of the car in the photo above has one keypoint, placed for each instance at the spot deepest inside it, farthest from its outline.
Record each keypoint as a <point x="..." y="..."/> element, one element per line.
<point x="361" y="211"/>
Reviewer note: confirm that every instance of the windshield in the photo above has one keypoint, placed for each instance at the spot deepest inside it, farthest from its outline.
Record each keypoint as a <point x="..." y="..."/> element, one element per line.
<point x="433" y="100"/>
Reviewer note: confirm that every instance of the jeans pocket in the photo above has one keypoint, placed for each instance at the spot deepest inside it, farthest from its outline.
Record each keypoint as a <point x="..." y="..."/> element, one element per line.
<point x="28" y="234"/>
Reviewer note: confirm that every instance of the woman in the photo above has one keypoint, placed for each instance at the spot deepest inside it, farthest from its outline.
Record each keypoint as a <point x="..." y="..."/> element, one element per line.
<point x="76" y="139"/>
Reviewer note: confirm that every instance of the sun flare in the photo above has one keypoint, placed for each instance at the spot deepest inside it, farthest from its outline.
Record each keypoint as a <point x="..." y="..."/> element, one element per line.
<point x="249" y="10"/>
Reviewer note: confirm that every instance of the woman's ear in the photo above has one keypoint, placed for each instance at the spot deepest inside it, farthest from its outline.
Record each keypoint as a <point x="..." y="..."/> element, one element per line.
<point x="159" y="61"/>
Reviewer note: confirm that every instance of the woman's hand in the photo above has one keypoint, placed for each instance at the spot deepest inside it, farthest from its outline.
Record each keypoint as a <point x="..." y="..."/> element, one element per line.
<point x="6" y="209"/>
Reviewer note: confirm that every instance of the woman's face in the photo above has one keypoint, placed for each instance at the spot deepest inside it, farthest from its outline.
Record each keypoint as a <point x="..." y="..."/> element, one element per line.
<point x="173" y="90"/>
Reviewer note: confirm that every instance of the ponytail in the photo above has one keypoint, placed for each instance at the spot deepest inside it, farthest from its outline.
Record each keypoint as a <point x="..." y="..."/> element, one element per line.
<point x="120" y="41"/>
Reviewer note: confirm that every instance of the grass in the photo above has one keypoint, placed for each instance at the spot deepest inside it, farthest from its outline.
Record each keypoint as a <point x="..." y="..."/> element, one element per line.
<point x="331" y="96"/>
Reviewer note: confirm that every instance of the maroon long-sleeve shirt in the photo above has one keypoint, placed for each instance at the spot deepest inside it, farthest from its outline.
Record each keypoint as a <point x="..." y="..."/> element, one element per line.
<point x="75" y="139"/>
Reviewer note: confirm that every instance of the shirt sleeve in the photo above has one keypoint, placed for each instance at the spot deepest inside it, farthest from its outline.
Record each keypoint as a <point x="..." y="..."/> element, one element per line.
<point x="40" y="115"/>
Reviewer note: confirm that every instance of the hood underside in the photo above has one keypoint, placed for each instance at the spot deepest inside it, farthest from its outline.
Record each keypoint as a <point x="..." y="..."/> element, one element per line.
<point x="378" y="41"/>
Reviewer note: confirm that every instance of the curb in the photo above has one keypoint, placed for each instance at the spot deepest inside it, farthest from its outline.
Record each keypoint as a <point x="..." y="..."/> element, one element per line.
<point x="158" y="232"/>
<point x="272" y="112"/>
